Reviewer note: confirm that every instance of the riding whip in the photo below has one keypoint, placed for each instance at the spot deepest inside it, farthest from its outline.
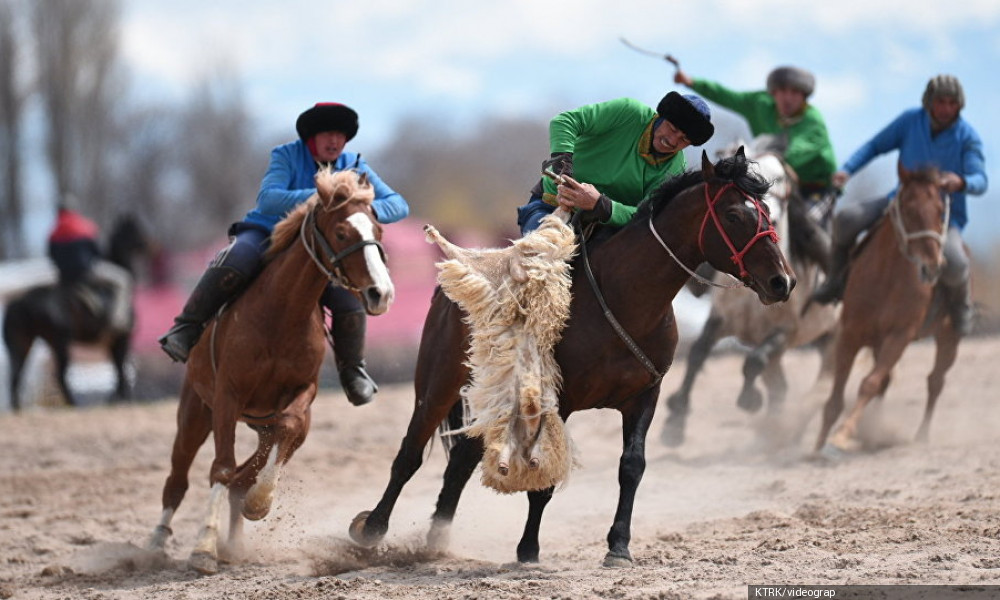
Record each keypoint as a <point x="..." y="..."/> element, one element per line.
<point x="667" y="57"/>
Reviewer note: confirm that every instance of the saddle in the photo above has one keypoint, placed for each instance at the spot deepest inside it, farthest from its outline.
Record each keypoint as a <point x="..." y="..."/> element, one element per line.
<point x="92" y="299"/>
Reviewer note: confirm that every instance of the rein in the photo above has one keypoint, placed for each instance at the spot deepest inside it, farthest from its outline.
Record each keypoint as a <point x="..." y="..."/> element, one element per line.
<point x="335" y="273"/>
<point x="904" y="237"/>
<point x="737" y="257"/>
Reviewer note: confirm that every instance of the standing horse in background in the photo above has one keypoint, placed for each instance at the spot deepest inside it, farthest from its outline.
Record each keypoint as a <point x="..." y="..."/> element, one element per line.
<point x="768" y="330"/>
<point x="888" y="303"/>
<point x="59" y="316"/>
<point x="259" y="361"/>
<point x="607" y="360"/>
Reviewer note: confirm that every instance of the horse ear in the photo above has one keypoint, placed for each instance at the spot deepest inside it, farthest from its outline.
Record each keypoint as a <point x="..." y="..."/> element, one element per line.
<point x="363" y="179"/>
<point x="741" y="155"/>
<point x="707" y="168"/>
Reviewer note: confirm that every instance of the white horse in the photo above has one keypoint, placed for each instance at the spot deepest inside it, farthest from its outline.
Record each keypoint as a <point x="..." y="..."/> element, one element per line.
<point x="768" y="331"/>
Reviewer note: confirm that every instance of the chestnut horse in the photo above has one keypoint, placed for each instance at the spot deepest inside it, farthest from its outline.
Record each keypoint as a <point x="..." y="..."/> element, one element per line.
<point x="606" y="361"/>
<point x="888" y="304"/>
<point x="259" y="361"/>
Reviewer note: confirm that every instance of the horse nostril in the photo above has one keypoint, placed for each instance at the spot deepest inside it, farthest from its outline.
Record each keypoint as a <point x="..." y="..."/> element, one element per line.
<point x="779" y="286"/>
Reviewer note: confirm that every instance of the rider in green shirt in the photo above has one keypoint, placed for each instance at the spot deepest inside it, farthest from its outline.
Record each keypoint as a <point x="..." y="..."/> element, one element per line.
<point x="783" y="109"/>
<point x="618" y="151"/>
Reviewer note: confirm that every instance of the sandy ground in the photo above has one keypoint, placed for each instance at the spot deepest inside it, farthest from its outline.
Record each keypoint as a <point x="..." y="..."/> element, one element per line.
<point x="739" y="503"/>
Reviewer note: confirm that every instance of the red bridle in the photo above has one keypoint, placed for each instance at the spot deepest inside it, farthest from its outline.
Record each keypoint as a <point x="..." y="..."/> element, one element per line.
<point x="762" y="219"/>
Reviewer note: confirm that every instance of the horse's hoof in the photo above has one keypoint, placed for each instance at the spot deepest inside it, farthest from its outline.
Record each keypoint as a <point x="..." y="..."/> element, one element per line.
<point x="158" y="541"/>
<point x="750" y="400"/>
<point x="255" y="511"/>
<point x="672" y="435"/>
<point x="357" y="531"/>
<point x="832" y="453"/>
<point x="204" y="563"/>
<point x="617" y="561"/>
<point x="439" y="537"/>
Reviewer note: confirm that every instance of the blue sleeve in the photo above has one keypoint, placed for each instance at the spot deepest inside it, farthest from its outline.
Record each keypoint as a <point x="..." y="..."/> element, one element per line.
<point x="890" y="138"/>
<point x="275" y="197"/>
<point x="973" y="165"/>
<point x="389" y="205"/>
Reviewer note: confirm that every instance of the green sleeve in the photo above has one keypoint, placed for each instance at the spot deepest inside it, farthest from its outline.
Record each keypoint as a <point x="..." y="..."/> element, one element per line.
<point x="591" y="119"/>
<point x="744" y="103"/>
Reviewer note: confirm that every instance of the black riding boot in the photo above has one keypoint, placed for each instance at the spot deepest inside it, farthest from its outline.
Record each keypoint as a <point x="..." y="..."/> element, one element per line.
<point x="216" y="287"/>
<point x="348" y="349"/>
<point x="832" y="288"/>
<point x="960" y="307"/>
<point x="809" y="238"/>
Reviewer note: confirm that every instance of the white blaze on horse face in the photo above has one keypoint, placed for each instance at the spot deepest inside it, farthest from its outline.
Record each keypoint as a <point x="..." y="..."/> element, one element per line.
<point x="376" y="267"/>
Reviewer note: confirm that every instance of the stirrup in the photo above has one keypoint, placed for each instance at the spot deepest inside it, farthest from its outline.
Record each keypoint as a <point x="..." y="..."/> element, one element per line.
<point x="357" y="384"/>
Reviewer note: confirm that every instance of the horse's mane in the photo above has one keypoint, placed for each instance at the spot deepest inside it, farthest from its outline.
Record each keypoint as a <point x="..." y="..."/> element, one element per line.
<point x="729" y="169"/>
<point x="337" y="186"/>
<point x="925" y="175"/>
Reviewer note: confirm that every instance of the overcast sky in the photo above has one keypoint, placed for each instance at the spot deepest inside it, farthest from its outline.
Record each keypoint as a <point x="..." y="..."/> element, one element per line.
<point x="461" y="62"/>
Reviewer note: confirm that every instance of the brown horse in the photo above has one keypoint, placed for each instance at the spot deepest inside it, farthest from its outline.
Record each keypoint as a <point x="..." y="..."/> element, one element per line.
<point x="887" y="304"/>
<point x="714" y="215"/>
<point x="260" y="361"/>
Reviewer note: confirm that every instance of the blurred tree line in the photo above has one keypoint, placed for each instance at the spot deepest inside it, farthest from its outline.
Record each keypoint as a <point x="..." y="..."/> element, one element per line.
<point x="67" y="109"/>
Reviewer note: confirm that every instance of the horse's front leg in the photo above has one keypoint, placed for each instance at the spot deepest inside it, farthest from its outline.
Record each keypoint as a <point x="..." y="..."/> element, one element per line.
<point x="60" y="353"/>
<point x="756" y="363"/>
<point x="205" y="556"/>
<point x="527" y="548"/>
<point x="462" y="461"/>
<point x="635" y="424"/>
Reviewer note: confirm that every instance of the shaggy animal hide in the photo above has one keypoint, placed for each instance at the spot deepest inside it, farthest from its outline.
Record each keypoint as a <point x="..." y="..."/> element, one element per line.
<point x="517" y="302"/>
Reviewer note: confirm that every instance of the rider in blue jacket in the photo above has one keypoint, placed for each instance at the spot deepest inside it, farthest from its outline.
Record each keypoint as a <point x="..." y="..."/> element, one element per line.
<point x="932" y="135"/>
<point x="323" y="131"/>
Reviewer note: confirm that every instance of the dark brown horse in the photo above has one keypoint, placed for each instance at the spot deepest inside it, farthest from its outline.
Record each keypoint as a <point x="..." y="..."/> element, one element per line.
<point x="59" y="316"/>
<point x="712" y="215"/>
<point x="887" y="304"/>
<point x="259" y="362"/>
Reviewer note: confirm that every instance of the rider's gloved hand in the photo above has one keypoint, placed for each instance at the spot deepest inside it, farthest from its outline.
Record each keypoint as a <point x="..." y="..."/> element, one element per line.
<point x="560" y="162"/>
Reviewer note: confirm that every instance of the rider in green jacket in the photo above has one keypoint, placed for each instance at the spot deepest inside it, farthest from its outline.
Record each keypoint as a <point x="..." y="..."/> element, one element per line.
<point x="783" y="109"/>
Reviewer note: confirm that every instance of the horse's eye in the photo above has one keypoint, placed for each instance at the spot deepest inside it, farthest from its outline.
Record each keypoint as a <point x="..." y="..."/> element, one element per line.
<point x="733" y="216"/>
<point x="341" y="236"/>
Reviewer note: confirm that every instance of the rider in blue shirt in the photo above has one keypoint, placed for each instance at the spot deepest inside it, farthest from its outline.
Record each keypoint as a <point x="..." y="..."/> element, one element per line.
<point x="932" y="135"/>
<point x="323" y="131"/>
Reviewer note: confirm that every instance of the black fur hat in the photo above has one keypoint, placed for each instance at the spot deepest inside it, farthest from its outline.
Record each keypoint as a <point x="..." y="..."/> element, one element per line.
<point x="690" y="114"/>
<point x="327" y="116"/>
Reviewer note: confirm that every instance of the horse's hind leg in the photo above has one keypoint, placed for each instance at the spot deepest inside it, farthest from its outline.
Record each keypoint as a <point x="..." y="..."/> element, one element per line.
<point x="17" y="351"/>
<point x="194" y="423"/>
<point x="462" y="461"/>
<point x="679" y="403"/>
<point x="947" y="351"/>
